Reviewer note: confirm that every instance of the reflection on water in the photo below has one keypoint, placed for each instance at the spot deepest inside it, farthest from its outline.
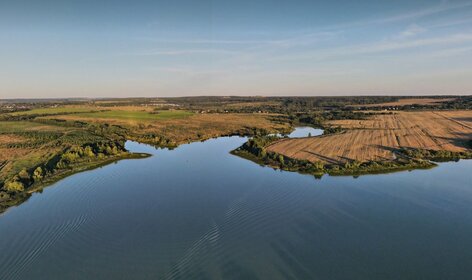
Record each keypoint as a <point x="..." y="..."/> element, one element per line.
<point x="302" y="131"/>
<point x="198" y="212"/>
<point x="305" y="131"/>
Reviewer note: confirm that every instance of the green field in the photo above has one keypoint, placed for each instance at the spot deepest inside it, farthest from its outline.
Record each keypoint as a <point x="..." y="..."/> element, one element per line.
<point x="137" y="115"/>
<point x="6" y="127"/>
<point x="54" y="111"/>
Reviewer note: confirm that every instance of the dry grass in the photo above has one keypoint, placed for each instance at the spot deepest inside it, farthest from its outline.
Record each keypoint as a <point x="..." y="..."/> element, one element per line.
<point x="87" y="108"/>
<point x="212" y="125"/>
<point x="409" y="101"/>
<point x="10" y="139"/>
<point x="376" y="138"/>
<point x="12" y="159"/>
<point x="189" y="127"/>
<point x="175" y="126"/>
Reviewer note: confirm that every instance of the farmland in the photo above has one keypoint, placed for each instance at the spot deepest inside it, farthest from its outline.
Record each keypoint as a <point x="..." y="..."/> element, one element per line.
<point x="135" y="115"/>
<point x="42" y="141"/>
<point x="46" y="143"/>
<point x="410" y="101"/>
<point x="55" y="110"/>
<point x="380" y="138"/>
<point x="175" y="127"/>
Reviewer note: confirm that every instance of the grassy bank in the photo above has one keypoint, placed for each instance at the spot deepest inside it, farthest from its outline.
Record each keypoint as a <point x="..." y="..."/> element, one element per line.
<point x="48" y="142"/>
<point x="16" y="198"/>
<point x="41" y="142"/>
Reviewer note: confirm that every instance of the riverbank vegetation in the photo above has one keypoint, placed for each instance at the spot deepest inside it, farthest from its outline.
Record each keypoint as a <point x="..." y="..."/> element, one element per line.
<point x="50" y="141"/>
<point x="33" y="154"/>
<point x="256" y="149"/>
<point x="318" y="169"/>
<point x="378" y="143"/>
<point x="43" y="140"/>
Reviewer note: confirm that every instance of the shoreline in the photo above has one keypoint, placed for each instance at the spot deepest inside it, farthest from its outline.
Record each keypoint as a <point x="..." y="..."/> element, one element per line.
<point x="403" y="163"/>
<point x="405" y="159"/>
<point x="56" y="177"/>
<point x="20" y="197"/>
<point x="374" y="168"/>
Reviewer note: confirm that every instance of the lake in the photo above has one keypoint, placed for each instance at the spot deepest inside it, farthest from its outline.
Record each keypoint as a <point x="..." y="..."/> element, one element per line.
<point x="198" y="212"/>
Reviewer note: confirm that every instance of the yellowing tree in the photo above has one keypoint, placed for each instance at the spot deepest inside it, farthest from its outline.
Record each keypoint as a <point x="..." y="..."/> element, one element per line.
<point x="14" y="186"/>
<point x="38" y="174"/>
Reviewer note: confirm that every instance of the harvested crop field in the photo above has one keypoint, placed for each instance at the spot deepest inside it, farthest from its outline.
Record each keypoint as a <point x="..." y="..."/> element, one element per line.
<point x="375" y="139"/>
<point x="409" y="101"/>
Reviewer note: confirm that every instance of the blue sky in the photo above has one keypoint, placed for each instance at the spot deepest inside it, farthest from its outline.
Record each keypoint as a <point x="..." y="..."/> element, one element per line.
<point x="183" y="48"/>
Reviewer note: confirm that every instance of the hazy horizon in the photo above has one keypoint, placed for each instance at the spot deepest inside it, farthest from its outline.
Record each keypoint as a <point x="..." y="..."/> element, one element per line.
<point x="90" y="49"/>
<point x="72" y="98"/>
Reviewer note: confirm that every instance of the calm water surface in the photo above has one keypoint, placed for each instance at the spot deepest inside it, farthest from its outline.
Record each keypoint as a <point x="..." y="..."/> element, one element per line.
<point x="198" y="212"/>
<point x="305" y="131"/>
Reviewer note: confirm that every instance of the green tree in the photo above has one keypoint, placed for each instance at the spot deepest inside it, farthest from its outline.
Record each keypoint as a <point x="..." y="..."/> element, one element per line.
<point x="281" y="159"/>
<point x="69" y="157"/>
<point x="263" y="153"/>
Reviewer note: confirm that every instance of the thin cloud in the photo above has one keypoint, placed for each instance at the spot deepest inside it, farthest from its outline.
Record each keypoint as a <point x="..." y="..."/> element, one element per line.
<point x="208" y="41"/>
<point x="180" y="52"/>
<point x="391" y="46"/>
<point x="330" y="32"/>
<point x="449" y="52"/>
<point x="379" y="48"/>
<point x="451" y="23"/>
<point x="412" y="31"/>
<point x="441" y="8"/>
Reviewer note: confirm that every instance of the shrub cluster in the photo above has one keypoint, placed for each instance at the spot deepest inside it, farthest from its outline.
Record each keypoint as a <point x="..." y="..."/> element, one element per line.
<point x="257" y="148"/>
<point x="64" y="160"/>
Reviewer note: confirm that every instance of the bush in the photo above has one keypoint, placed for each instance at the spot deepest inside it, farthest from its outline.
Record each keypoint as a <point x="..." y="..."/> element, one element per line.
<point x="24" y="175"/>
<point x="14" y="186"/>
<point x="4" y="196"/>
<point x="38" y="174"/>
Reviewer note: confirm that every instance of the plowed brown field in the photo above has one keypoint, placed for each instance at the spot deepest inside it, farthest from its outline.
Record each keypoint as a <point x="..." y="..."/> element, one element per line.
<point x="376" y="138"/>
